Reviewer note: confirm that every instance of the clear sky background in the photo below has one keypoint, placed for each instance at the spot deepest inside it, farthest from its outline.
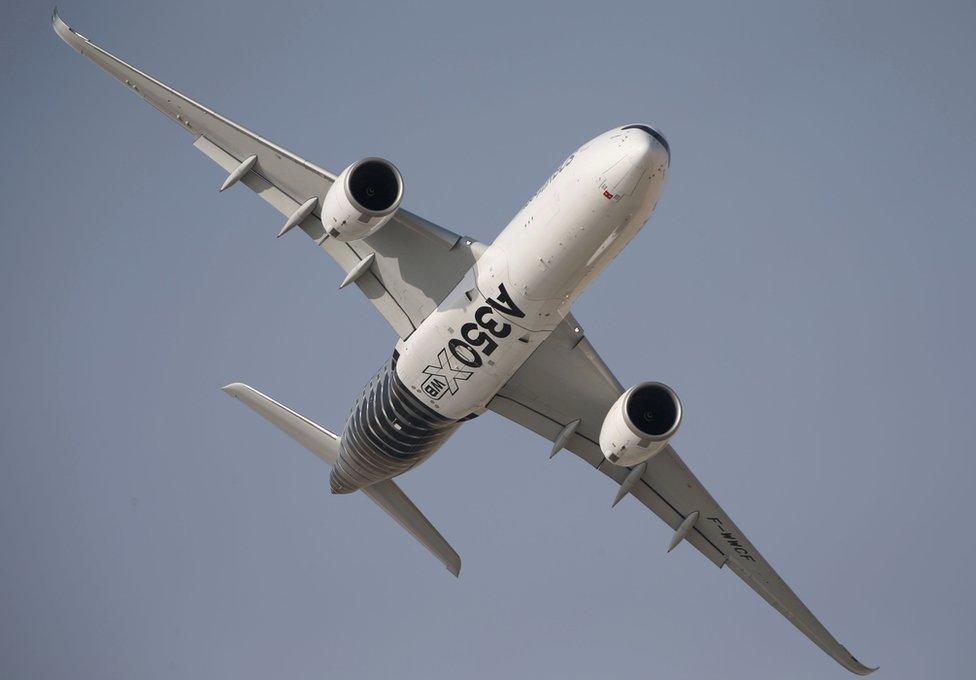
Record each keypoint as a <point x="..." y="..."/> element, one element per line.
<point x="806" y="285"/>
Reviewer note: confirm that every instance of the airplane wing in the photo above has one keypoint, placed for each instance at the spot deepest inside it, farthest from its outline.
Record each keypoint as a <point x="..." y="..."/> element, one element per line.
<point x="564" y="380"/>
<point x="415" y="262"/>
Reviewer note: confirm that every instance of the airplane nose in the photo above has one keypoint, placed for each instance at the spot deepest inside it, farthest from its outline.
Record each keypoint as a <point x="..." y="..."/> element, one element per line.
<point x="656" y="140"/>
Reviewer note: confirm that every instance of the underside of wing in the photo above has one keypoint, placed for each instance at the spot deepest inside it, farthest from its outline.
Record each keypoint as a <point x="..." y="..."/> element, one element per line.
<point x="566" y="381"/>
<point x="405" y="269"/>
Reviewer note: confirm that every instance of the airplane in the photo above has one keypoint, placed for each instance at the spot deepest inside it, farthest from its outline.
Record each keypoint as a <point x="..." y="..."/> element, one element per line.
<point x="482" y="327"/>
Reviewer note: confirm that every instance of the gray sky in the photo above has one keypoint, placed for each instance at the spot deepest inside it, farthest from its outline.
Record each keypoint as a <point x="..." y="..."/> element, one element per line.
<point x="805" y="285"/>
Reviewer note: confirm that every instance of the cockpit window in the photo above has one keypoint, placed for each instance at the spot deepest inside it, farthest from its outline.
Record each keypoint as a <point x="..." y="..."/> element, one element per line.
<point x="653" y="133"/>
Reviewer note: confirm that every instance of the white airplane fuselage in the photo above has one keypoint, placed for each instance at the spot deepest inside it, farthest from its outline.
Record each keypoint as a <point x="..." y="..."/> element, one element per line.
<point x="525" y="283"/>
<point x="514" y="296"/>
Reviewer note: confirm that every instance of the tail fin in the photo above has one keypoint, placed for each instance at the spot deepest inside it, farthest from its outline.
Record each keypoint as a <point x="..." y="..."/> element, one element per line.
<point x="325" y="445"/>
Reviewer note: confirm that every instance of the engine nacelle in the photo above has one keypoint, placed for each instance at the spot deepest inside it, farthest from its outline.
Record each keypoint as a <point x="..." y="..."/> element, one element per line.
<point x="640" y="423"/>
<point x="364" y="197"/>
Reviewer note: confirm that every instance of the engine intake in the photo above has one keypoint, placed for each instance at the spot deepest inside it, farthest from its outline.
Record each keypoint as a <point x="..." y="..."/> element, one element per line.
<point x="363" y="198"/>
<point x="640" y="423"/>
<point x="375" y="185"/>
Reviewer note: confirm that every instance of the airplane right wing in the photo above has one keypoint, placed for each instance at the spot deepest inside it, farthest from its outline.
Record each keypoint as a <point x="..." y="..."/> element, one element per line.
<point x="566" y="380"/>
<point x="415" y="263"/>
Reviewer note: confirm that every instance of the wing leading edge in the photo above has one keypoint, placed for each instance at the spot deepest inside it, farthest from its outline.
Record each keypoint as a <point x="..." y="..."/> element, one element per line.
<point x="564" y="380"/>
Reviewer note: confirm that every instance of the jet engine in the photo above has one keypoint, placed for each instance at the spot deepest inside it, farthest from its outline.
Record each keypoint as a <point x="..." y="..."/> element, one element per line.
<point x="640" y="423"/>
<point x="363" y="198"/>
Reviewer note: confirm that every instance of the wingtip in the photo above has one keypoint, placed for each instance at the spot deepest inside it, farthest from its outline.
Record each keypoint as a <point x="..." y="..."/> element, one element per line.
<point x="235" y="388"/>
<point x="57" y="23"/>
<point x="455" y="569"/>
<point x="64" y="31"/>
<point x="858" y="668"/>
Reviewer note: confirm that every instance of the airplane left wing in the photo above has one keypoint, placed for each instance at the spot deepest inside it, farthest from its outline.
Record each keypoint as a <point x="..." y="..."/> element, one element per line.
<point x="566" y="380"/>
<point x="414" y="264"/>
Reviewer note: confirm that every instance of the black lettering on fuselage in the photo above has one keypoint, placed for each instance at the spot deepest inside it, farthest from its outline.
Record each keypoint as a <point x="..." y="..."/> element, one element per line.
<point x="478" y="337"/>
<point x="434" y="386"/>
<point x="469" y="357"/>
<point x="504" y="303"/>
<point x="499" y="330"/>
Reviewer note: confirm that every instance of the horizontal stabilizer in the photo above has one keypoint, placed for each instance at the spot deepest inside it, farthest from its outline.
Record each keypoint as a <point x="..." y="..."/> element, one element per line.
<point x="325" y="445"/>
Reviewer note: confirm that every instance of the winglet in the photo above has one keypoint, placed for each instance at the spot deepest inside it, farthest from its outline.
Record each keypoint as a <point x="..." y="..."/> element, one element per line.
<point x="856" y="666"/>
<point x="58" y="24"/>
<point x="74" y="39"/>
